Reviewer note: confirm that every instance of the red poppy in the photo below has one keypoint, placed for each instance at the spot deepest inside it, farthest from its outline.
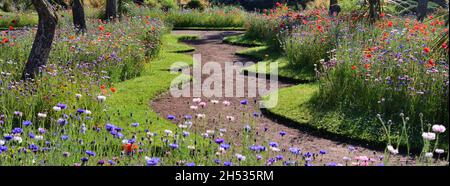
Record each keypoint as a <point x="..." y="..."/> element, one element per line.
<point x="382" y="14"/>
<point x="444" y="45"/>
<point x="101" y="28"/>
<point x="426" y="50"/>
<point x="11" y="28"/>
<point x="129" y="147"/>
<point x="368" y="55"/>
<point x="367" y="66"/>
<point x="353" y="67"/>
<point x="5" y="40"/>
<point x="113" y="89"/>
<point x="102" y="87"/>
<point x="390" y="24"/>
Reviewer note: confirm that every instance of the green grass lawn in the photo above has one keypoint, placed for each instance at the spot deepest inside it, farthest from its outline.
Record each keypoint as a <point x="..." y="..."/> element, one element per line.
<point x="242" y="41"/>
<point x="131" y="102"/>
<point x="296" y="104"/>
<point x="266" y="56"/>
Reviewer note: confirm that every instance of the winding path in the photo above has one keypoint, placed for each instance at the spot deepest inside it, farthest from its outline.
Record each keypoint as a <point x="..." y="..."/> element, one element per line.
<point x="211" y="48"/>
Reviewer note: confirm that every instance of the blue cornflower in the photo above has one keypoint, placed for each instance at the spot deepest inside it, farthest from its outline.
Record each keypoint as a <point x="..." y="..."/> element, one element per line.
<point x="322" y="152"/>
<point x="62" y="121"/>
<point x="17" y="130"/>
<point x="110" y="127"/>
<point x="3" y="149"/>
<point x="294" y="150"/>
<point x="64" y="137"/>
<point x="185" y="133"/>
<point x="90" y="153"/>
<point x="135" y="124"/>
<point x="152" y="161"/>
<point x="217" y="161"/>
<point x="191" y="164"/>
<point x="26" y="123"/>
<point x="33" y="147"/>
<point x="31" y="135"/>
<point x="84" y="159"/>
<point x="219" y="140"/>
<point x="173" y="146"/>
<point x="225" y="146"/>
<point x="244" y="102"/>
<point x="279" y="157"/>
<point x="187" y="117"/>
<point x="282" y="133"/>
<point x="61" y="105"/>
<point x="227" y="163"/>
<point x="332" y="164"/>
<point x="170" y="117"/>
<point x="273" y="144"/>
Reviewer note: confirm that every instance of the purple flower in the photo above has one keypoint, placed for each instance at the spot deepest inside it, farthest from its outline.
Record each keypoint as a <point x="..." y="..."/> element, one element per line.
<point x="135" y="124"/>
<point x="109" y="127"/>
<point x="26" y="123"/>
<point x="225" y="146"/>
<point x="111" y="162"/>
<point x="279" y="157"/>
<point x="217" y="161"/>
<point x="90" y="153"/>
<point x="273" y="144"/>
<point x="244" y="102"/>
<point x="62" y="121"/>
<point x="7" y="138"/>
<point x="173" y="146"/>
<point x="170" y="117"/>
<point x="322" y="152"/>
<point x="308" y="154"/>
<point x="191" y="164"/>
<point x="31" y="135"/>
<point x="62" y="106"/>
<point x="81" y="111"/>
<point x="152" y="161"/>
<point x="294" y="150"/>
<point x="331" y="164"/>
<point x="282" y="133"/>
<point x="259" y="157"/>
<point x="308" y="165"/>
<point x="84" y="159"/>
<point x="64" y="137"/>
<point x="187" y="117"/>
<point x="66" y="154"/>
<point x="227" y="163"/>
<point x="17" y="130"/>
<point x="41" y="130"/>
<point x="185" y="134"/>
<point x="257" y="148"/>
<point x="101" y="162"/>
<point x="219" y="140"/>
<point x="33" y="147"/>
<point x="3" y="149"/>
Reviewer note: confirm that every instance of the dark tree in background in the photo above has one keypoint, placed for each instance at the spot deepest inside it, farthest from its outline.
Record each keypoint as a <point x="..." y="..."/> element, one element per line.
<point x="334" y="8"/>
<point x="422" y="8"/>
<point x="78" y="16"/>
<point x="44" y="38"/>
<point x="111" y="9"/>
<point x="374" y="10"/>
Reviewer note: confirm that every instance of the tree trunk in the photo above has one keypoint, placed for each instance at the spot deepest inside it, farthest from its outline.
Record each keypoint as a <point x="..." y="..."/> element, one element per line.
<point x="422" y="8"/>
<point x="78" y="16"/>
<point x="43" y="40"/>
<point x="111" y="9"/>
<point x="374" y="10"/>
<point x="334" y="8"/>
